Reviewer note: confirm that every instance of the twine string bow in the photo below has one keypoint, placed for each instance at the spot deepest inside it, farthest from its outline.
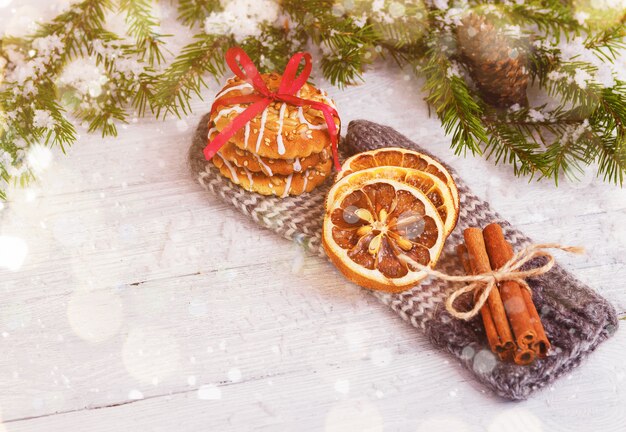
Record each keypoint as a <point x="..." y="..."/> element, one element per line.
<point x="485" y="282"/>
<point x="290" y="84"/>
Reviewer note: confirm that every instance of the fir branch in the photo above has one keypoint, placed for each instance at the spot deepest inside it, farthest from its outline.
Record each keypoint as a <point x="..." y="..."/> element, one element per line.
<point x="192" y="12"/>
<point x="588" y="124"/>
<point x="306" y="13"/>
<point x="512" y="144"/>
<point x="144" y="95"/>
<point x="347" y="46"/>
<point x="565" y="155"/>
<point x="343" y="69"/>
<point x="63" y="133"/>
<point x="185" y="76"/>
<point x="272" y="50"/>
<point x="142" y="25"/>
<point x="611" y="158"/>
<point x="550" y="17"/>
<point x="608" y="43"/>
<point x="460" y="113"/>
<point x="77" y="26"/>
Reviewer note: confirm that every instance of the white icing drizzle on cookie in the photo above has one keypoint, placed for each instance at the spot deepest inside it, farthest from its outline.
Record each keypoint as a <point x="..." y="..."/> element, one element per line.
<point x="265" y="167"/>
<point x="249" y="174"/>
<point x="287" y="186"/>
<point x="279" y="135"/>
<point x="303" y="119"/>
<point x="296" y="165"/>
<point x="306" y="180"/>
<point x="261" y="130"/>
<point x="233" y="88"/>
<point x="225" y="111"/>
<point x="246" y="135"/>
<point x="232" y="170"/>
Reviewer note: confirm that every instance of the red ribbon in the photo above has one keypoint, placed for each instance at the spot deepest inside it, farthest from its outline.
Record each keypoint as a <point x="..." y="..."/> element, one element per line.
<point x="289" y="86"/>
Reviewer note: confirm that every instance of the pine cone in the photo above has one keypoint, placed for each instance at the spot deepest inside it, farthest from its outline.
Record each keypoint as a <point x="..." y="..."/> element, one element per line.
<point x="498" y="69"/>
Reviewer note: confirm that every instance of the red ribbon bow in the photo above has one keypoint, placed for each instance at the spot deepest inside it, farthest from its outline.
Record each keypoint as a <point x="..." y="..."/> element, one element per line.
<point x="290" y="84"/>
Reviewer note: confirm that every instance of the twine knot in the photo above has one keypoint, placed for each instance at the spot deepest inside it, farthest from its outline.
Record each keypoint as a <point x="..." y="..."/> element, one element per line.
<point x="485" y="282"/>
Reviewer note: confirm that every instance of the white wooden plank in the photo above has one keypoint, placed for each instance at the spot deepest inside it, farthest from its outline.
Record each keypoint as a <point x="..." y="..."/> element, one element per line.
<point x="416" y="391"/>
<point x="126" y="253"/>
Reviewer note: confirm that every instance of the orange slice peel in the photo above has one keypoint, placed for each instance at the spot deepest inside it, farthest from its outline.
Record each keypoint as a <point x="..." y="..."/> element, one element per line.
<point x="371" y="226"/>
<point x="432" y="186"/>
<point x="387" y="216"/>
<point x="400" y="157"/>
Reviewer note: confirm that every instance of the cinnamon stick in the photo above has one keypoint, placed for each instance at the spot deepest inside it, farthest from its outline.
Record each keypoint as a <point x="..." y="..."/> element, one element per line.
<point x="488" y="324"/>
<point x="541" y="345"/>
<point x="524" y="356"/>
<point x="479" y="263"/>
<point x="500" y="251"/>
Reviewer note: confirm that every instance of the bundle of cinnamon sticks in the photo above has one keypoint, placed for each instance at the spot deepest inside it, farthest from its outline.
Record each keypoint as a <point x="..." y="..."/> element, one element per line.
<point x="512" y="324"/>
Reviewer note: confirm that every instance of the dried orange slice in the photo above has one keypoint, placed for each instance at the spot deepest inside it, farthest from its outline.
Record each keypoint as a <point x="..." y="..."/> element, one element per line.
<point x="371" y="227"/>
<point x="434" y="188"/>
<point x="395" y="156"/>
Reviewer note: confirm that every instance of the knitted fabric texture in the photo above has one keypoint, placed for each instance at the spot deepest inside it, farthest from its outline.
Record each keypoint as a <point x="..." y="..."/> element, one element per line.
<point x="576" y="319"/>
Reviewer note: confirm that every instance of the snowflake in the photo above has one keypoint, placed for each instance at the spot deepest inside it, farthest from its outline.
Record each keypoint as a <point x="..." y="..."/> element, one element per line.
<point x="396" y="10"/>
<point x="580" y="130"/>
<point x="360" y="21"/>
<point x="573" y="133"/>
<point x="29" y="89"/>
<point x="605" y="75"/>
<point x="454" y="70"/>
<point x="577" y="51"/>
<point x="581" y="17"/>
<point x="378" y="5"/>
<point x="5" y="158"/>
<point x="535" y="115"/>
<point x="48" y="45"/>
<point x="454" y="16"/>
<point x="85" y="76"/>
<point x="129" y="66"/>
<point x="242" y="18"/>
<point x="266" y="63"/>
<point x="441" y="4"/>
<point x="22" y="73"/>
<point x="582" y="77"/>
<point x="326" y="49"/>
<point x="43" y="119"/>
<point x="558" y="76"/>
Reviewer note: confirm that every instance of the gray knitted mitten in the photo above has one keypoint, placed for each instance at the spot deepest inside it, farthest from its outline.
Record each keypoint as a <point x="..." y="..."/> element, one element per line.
<point x="576" y="319"/>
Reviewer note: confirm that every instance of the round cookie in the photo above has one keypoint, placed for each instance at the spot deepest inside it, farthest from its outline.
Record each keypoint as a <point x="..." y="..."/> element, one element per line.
<point x="256" y="163"/>
<point x="281" y="131"/>
<point x="282" y="186"/>
<point x="270" y="167"/>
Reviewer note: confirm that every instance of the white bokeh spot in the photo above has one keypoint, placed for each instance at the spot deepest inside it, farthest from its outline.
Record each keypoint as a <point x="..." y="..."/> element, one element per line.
<point x="95" y="316"/>
<point x="209" y="392"/>
<point x="13" y="251"/>
<point x="39" y="158"/>
<point x="442" y="424"/>
<point x="151" y="353"/>
<point x="515" y="420"/>
<point x="354" y="415"/>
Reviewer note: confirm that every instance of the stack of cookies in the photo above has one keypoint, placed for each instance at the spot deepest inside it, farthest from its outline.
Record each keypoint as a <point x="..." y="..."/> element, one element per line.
<point x="285" y="150"/>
